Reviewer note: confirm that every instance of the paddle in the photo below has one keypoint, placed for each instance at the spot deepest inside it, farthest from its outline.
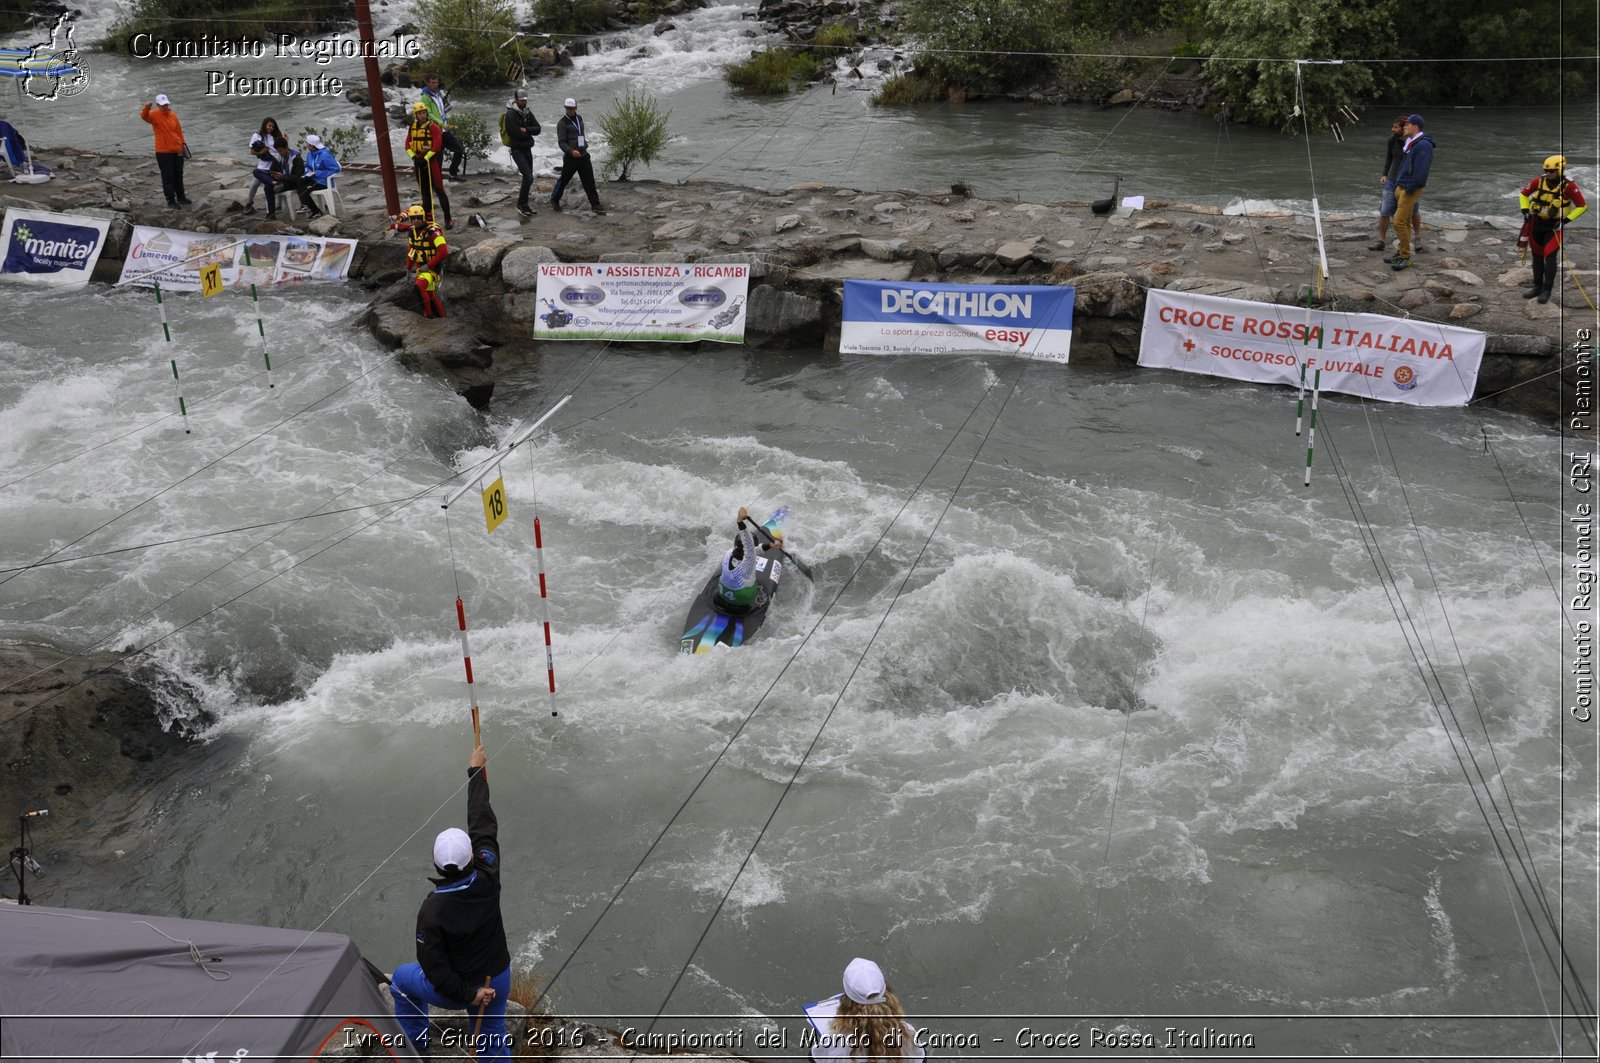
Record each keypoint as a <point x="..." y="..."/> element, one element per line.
<point x="805" y="569"/>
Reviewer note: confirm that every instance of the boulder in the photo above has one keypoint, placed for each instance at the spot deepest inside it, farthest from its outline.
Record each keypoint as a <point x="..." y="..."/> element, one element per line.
<point x="1462" y="276"/>
<point x="1462" y="311"/>
<point x="785" y="222"/>
<point x="783" y="315"/>
<point x="882" y="250"/>
<point x="1015" y="252"/>
<point x="1110" y="293"/>
<point x="1257" y="293"/>
<point x="675" y="230"/>
<point x="483" y="257"/>
<point x="519" y="268"/>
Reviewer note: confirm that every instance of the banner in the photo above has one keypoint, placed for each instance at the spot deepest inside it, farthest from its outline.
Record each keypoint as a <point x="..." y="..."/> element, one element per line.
<point x="1378" y="357"/>
<point x="55" y="249"/>
<point x="889" y="317"/>
<point x="175" y="258"/>
<point x="648" y="302"/>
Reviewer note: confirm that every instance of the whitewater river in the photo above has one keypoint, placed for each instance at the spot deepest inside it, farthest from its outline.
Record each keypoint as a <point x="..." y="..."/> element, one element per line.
<point x="1097" y="721"/>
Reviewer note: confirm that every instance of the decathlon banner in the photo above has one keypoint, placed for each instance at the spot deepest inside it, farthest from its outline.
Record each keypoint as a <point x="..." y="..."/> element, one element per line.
<point x="1415" y="362"/>
<point x="55" y="249"/>
<point x="652" y="302"/>
<point x="889" y="317"/>
<point x="175" y="258"/>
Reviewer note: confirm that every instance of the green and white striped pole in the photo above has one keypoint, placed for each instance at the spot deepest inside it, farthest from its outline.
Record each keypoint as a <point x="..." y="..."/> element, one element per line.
<point x="260" y="328"/>
<point x="166" y="330"/>
<point x="1300" y="399"/>
<point x="1311" y="434"/>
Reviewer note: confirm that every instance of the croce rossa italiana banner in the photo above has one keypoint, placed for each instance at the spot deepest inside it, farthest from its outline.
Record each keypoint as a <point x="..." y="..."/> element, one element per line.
<point x="1378" y="357"/>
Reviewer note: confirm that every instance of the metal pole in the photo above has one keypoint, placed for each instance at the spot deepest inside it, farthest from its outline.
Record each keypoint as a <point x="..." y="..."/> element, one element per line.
<point x="380" y="119"/>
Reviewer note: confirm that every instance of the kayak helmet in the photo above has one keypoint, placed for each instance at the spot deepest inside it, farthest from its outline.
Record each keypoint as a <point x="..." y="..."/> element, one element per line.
<point x="1556" y="164"/>
<point x="416" y="211"/>
<point x="419" y="106"/>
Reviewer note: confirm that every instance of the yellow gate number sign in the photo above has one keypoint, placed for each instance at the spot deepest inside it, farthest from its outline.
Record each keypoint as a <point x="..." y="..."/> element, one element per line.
<point x="494" y="504"/>
<point x="210" y="279"/>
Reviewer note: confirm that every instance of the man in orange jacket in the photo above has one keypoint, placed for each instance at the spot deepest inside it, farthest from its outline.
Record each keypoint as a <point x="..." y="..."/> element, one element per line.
<point x="170" y="148"/>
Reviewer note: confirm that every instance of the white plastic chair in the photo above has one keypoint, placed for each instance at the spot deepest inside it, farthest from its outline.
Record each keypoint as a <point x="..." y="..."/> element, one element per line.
<point x="328" y="200"/>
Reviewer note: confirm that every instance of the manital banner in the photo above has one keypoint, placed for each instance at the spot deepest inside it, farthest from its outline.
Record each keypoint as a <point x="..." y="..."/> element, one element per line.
<point x="1377" y="357"/>
<point x="54" y="249"/>
<point x="174" y="259"/>
<point x="651" y="302"/>
<point x="890" y="317"/>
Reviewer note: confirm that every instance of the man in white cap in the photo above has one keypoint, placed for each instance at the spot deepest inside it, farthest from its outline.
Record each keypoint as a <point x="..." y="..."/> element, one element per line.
<point x="463" y="961"/>
<point x="320" y="168"/>
<point x="171" y="147"/>
<point x="574" y="144"/>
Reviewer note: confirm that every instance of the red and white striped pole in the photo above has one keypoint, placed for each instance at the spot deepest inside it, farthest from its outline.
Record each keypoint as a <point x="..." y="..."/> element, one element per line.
<point x="544" y="605"/>
<point x="466" y="658"/>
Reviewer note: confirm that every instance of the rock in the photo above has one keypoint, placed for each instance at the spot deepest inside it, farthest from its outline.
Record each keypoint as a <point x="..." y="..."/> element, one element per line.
<point x="1519" y="343"/>
<point x="1227" y="289"/>
<point x="1414" y="299"/>
<point x="1152" y="223"/>
<point x="1016" y="252"/>
<point x="576" y="238"/>
<point x="1462" y="311"/>
<point x="483" y="257"/>
<point x="1233" y="238"/>
<point x="223" y="199"/>
<point x="1462" y="276"/>
<point x="785" y="222"/>
<point x="882" y="250"/>
<point x="519" y="268"/>
<point x="793" y="318"/>
<point x="1435" y="287"/>
<point x="675" y="230"/>
<point x="1108" y="294"/>
<point x="732" y="238"/>
<point x="1516" y="277"/>
<point x="323" y="226"/>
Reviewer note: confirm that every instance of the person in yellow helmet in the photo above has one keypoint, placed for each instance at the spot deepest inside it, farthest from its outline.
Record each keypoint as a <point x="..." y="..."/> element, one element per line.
<point x="424" y="141"/>
<point x="425" y="257"/>
<point x="1549" y="202"/>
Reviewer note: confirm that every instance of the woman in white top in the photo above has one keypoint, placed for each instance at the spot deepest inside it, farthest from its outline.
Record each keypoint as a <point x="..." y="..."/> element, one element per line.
<point x="263" y="147"/>
<point x="867" y="1024"/>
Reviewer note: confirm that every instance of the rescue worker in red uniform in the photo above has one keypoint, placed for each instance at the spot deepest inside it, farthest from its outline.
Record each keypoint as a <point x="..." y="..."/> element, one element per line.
<point x="425" y="257"/>
<point x="424" y="141"/>
<point x="1550" y="201"/>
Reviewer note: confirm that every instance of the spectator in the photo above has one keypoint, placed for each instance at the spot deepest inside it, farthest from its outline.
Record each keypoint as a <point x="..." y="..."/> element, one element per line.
<point x="320" y="168"/>
<point x="1391" y="166"/>
<point x="264" y="146"/>
<point x="1410" y="179"/>
<point x="520" y="128"/>
<point x="266" y="176"/>
<point x="462" y="958"/>
<point x="438" y="102"/>
<point x="424" y="139"/>
<point x="574" y="157"/>
<point x="171" y="148"/>
<point x="288" y="173"/>
<point x="865" y="1022"/>
<point x="1549" y="202"/>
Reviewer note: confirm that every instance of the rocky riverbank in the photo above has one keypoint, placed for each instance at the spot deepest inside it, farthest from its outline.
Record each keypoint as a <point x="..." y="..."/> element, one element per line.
<point x="802" y="242"/>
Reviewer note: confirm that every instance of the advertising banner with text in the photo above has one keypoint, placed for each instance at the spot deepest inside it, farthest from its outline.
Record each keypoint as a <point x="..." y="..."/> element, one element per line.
<point x="59" y="250"/>
<point x="889" y="317"/>
<point x="1419" y="363"/>
<point x="647" y="302"/>
<point x="175" y="258"/>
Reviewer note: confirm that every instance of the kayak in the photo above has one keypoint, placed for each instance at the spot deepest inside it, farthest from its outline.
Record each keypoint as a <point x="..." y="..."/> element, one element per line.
<point x="711" y="623"/>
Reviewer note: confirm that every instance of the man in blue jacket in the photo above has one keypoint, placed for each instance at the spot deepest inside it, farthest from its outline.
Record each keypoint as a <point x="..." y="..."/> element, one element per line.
<point x="1409" y="181"/>
<point x="463" y="961"/>
<point x="320" y="167"/>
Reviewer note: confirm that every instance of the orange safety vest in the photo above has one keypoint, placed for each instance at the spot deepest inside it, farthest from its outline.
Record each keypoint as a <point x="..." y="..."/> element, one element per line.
<point x="427" y="241"/>
<point x="421" y="139"/>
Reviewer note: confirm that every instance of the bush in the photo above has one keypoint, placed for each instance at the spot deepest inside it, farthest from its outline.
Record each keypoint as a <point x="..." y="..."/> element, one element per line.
<point x="344" y="141"/>
<point x="990" y="45"/>
<point x="636" y="131"/>
<point x="571" y="17"/>
<point x="838" y="35"/>
<point x="769" y="71"/>
<point x="187" y="20"/>
<point x="470" y="42"/>
<point x="902" y="91"/>
<point x="472" y="129"/>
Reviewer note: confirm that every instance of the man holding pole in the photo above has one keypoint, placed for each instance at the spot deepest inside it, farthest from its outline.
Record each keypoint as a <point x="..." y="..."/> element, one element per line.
<point x="424" y="140"/>
<point x="463" y="961"/>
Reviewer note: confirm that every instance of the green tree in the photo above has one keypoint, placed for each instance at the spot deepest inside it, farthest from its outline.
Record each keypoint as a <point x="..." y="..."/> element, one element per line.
<point x="1528" y="29"/>
<point x="470" y="42"/>
<point x="187" y="20"/>
<point x="472" y="129"/>
<point x="988" y="45"/>
<point x="770" y="71"/>
<point x="344" y="141"/>
<point x="1256" y="43"/>
<point x="636" y="131"/>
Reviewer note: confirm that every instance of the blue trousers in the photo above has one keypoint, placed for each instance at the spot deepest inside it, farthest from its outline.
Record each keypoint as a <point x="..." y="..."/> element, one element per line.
<point x="413" y="993"/>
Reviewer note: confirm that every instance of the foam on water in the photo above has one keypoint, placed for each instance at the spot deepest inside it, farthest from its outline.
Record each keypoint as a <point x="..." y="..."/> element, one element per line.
<point x="697" y="49"/>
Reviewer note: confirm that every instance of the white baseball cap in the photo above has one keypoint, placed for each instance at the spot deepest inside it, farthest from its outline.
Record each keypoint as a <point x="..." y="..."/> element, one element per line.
<point x="314" y="140"/>
<point x="863" y="982"/>
<point x="569" y="102"/>
<point x="161" y="99"/>
<point x="452" y="848"/>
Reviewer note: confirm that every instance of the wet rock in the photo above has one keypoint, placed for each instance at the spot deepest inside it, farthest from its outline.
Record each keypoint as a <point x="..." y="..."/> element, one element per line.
<point x="1015" y="253"/>
<point x="1108" y="294"/>
<point x="1462" y="276"/>
<point x="1414" y="299"/>
<point x="794" y="318"/>
<point x="785" y="222"/>
<point x="483" y="257"/>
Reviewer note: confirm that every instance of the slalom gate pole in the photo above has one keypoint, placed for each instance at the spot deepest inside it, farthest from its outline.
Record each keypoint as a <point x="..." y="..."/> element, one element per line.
<point x="1300" y="399"/>
<point x="1311" y="436"/>
<point x="255" y="301"/>
<point x="544" y="608"/>
<point x="466" y="658"/>
<point x="166" y="330"/>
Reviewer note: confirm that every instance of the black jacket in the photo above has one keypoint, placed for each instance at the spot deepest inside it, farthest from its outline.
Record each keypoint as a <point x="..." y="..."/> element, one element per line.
<point x="567" y="136"/>
<point x="461" y="939"/>
<point x="521" y="126"/>
<point x="1395" y="154"/>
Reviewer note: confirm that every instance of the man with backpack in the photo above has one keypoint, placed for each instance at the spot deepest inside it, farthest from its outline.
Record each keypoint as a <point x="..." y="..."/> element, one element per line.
<point x="518" y="127"/>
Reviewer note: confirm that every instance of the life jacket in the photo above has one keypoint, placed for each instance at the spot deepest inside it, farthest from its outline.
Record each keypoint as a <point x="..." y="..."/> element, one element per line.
<point x="419" y="139"/>
<point x="426" y="241"/>
<point x="1546" y="202"/>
